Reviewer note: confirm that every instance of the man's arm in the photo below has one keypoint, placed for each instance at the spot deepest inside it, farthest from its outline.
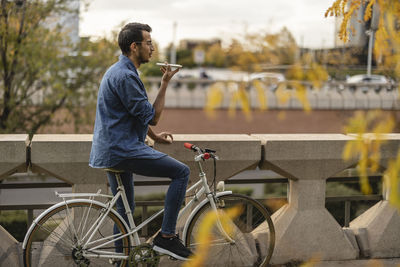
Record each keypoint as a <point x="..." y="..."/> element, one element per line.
<point x="160" y="99"/>
<point x="161" y="137"/>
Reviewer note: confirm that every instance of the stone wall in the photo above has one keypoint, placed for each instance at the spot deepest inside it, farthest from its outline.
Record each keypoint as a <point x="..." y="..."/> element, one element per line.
<point x="304" y="228"/>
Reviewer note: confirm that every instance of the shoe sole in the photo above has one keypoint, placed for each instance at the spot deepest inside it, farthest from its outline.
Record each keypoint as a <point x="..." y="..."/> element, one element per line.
<point x="167" y="252"/>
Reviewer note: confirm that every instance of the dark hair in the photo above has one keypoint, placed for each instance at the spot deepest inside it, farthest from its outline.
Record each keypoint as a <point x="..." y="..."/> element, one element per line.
<point x="131" y="33"/>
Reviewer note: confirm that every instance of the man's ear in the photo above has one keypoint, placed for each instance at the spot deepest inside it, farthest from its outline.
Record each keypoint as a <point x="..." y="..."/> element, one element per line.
<point x="133" y="46"/>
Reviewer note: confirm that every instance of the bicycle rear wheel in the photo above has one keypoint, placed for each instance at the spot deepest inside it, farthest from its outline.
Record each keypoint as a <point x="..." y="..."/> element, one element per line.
<point x="253" y="234"/>
<point x="58" y="238"/>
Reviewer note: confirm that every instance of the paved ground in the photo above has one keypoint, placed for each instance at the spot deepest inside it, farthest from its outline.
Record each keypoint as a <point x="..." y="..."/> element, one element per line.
<point x="189" y="121"/>
<point x="355" y="263"/>
<point x="271" y="121"/>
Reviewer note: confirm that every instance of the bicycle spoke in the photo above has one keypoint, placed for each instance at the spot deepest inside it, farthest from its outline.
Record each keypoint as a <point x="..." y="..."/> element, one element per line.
<point x="59" y="237"/>
<point x="86" y="216"/>
<point x="70" y="217"/>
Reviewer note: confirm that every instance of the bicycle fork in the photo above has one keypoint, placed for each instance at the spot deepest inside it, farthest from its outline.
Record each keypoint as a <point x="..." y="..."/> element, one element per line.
<point x="211" y="198"/>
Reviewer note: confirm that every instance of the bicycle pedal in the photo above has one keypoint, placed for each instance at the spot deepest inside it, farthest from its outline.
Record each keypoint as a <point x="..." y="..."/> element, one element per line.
<point x="172" y="258"/>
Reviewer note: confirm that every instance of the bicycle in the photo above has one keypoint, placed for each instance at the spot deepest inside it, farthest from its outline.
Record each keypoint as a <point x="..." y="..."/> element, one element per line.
<point x="79" y="230"/>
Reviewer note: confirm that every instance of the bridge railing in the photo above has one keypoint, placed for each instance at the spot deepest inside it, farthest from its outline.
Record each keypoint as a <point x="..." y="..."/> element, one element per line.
<point x="193" y="93"/>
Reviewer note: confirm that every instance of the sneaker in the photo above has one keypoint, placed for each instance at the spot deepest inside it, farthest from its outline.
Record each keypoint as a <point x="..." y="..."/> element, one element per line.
<point x="171" y="246"/>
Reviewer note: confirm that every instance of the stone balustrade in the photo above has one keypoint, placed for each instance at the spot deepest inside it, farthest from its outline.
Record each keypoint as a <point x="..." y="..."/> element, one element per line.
<point x="192" y="93"/>
<point x="304" y="228"/>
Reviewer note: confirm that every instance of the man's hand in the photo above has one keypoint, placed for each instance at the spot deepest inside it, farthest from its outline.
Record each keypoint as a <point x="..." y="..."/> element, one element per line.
<point x="167" y="73"/>
<point x="163" y="138"/>
<point x="160" y="137"/>
<point x="159" y="102"/>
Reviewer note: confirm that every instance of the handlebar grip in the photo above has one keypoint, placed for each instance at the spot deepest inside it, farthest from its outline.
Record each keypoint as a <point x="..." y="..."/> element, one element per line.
<point x="188" y="145"/>
<point x="192" y="147"/>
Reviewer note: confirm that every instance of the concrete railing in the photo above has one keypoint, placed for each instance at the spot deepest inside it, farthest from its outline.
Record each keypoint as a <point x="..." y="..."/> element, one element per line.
<point x="192" y="93"/>
<point x="304" y="228"/>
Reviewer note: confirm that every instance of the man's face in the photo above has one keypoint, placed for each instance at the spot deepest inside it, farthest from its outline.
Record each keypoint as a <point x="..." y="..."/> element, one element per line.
<point x="145" y="48"/>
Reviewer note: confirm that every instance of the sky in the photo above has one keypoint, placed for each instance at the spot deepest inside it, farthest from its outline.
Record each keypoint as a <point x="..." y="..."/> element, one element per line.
<point x="206" y="19"/>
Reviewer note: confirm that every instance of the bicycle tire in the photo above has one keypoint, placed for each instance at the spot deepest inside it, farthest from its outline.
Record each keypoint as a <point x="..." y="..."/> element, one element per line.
<point x="253" y="232"/>
<point x="52" y="241"/>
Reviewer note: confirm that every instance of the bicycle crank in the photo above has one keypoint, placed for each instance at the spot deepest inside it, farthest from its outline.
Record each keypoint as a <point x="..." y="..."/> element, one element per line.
<point x="143" y="255"/>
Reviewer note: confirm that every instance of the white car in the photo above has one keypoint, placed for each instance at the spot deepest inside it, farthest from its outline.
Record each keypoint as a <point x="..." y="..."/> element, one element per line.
<point x="272" y="79"/>
<point x="364" y="82"/>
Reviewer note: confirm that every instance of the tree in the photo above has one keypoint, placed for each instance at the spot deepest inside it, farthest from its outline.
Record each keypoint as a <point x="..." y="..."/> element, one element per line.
<point x="375" y="123"/>
<point x="42" y="70"/>
<point x="215" y="56"/>
<point x="386" y="24"/>
<point x="263" y="48"/>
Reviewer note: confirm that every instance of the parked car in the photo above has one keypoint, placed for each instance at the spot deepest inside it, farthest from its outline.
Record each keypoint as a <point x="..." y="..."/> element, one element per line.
<point x="365" y="82"/>
<point x="271" y="79"/>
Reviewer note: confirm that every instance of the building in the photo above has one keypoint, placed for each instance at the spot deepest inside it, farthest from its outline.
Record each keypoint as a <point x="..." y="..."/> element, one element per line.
<point x="191" y="44"/>
<point x="69" y="21"/>
<point x="357" y="30"/>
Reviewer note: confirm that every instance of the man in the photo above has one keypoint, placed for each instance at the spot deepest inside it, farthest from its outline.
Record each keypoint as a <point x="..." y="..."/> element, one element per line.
<point x="122" y="118"/>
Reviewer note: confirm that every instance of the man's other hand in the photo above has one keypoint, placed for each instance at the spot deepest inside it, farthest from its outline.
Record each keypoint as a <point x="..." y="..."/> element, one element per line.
<point x="164" y="138"/>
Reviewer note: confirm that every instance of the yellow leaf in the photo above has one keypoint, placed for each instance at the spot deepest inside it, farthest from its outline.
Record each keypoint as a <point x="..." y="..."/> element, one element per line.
<point x="261" y="96"/>
<point x="214" y="98"/>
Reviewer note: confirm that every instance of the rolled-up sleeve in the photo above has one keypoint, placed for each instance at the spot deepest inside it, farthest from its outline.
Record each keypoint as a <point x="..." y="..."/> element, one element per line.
<point x="135" y="100"/>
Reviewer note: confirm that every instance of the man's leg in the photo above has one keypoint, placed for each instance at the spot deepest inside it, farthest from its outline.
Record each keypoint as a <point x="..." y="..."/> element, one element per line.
<point x="127" y="182"/>
<point x="167" y="241"/>
<point x="169" y="167"/>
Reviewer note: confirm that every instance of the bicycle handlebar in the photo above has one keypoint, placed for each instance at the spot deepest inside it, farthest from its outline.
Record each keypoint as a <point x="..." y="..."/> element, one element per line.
<point x="206" y="154"/>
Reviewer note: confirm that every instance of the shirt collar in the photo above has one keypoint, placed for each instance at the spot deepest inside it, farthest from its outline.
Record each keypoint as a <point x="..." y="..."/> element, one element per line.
<point x="127" y="62"/>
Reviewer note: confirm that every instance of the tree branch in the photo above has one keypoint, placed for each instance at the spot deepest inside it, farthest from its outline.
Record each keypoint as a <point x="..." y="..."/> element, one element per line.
<point x="18" y="44"/>
<point x="45" y="119"/>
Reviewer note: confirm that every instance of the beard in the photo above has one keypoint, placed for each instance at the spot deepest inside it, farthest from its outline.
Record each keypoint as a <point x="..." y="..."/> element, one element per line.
<point x="143" y="58"/>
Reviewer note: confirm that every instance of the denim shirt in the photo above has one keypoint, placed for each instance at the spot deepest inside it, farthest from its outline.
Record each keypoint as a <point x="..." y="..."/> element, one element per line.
<point x="122" y="117"/>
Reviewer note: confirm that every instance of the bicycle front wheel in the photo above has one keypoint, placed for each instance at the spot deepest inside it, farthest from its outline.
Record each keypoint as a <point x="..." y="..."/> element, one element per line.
<point x="60" y="237"/>
<point x="253" y="234"/>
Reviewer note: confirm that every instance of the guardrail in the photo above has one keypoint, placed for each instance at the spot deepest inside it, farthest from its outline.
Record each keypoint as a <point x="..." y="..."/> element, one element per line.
<point x="304" y="227"/>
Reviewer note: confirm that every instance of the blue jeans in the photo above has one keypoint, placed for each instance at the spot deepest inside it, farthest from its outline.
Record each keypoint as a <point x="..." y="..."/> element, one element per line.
<point x="162" y="167"/>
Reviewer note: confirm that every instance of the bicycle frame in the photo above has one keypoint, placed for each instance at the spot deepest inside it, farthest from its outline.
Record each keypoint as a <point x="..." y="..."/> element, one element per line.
<point x="200" y="188"/>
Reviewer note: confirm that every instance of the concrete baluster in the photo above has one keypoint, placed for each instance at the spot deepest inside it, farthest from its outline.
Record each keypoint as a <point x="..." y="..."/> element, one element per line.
<point x="304" y="227"/>
<point x="378" y="228"/>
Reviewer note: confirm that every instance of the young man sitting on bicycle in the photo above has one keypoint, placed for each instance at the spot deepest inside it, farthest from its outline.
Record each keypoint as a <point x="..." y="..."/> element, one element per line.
<point x="123" y="116"/>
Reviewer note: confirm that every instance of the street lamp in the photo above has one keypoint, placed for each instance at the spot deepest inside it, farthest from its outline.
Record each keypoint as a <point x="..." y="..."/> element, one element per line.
<point x="370" y="33"/>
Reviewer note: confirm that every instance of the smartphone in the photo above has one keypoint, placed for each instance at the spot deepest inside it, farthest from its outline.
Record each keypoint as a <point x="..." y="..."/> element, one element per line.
<point x="172" y="65"/>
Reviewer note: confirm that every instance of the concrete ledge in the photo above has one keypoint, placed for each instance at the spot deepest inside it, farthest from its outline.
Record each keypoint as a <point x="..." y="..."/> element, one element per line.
<point x="304" y="156"/>
<point x="237" y="152"/>
<point x="13" y="153"/>
<point x="66" y="157"/>
<point x="390" y="149"/>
